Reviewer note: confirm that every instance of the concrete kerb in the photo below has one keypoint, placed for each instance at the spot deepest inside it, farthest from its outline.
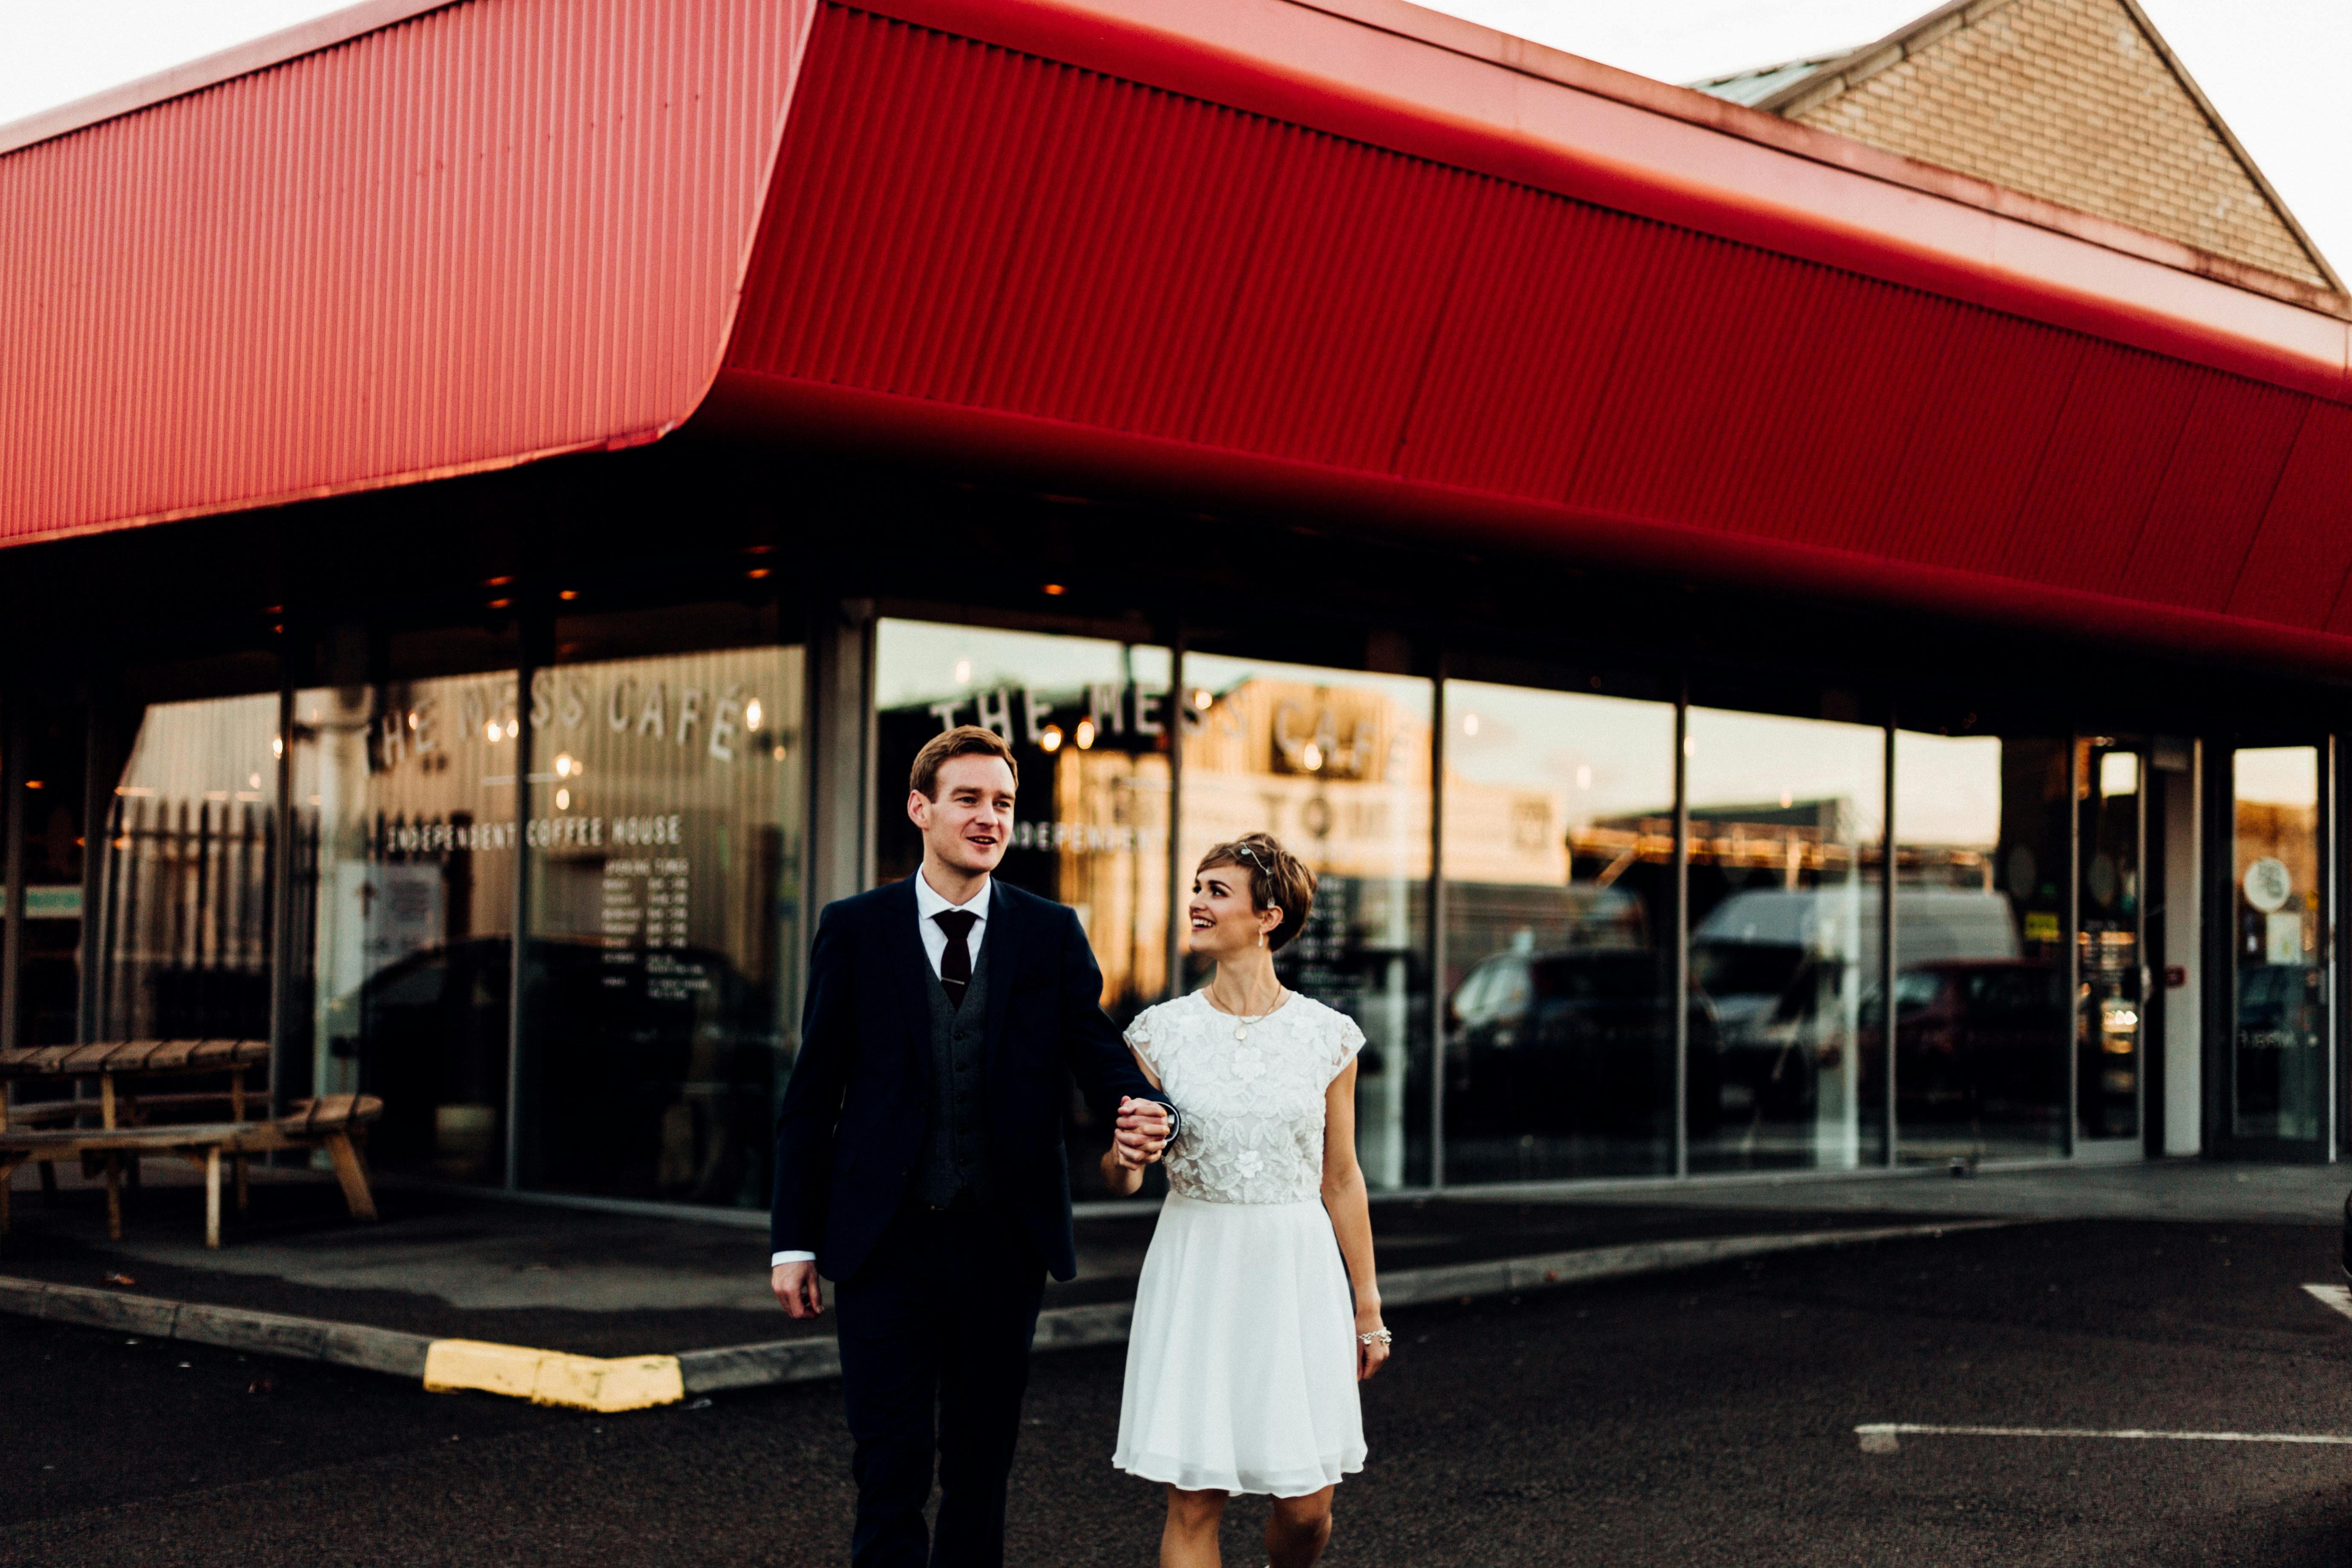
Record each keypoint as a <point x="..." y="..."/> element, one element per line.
<point x="636" y="1382"/>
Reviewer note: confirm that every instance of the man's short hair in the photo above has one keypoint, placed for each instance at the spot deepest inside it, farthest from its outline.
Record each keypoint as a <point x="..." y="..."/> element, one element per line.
<point x="963" y="741"/>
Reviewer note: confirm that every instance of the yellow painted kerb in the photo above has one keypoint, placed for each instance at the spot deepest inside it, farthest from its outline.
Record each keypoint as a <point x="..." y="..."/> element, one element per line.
<point x="551" y="1377"/>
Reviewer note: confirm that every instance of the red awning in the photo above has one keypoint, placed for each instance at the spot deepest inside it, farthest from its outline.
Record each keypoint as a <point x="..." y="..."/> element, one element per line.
<point x="454" y="238"/>
<point x="1347" y="259"/>
<point x="1056" y="242"/>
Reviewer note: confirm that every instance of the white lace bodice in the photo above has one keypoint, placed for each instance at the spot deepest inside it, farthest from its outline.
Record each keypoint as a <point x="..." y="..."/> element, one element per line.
<point x="1252" y="1109"/>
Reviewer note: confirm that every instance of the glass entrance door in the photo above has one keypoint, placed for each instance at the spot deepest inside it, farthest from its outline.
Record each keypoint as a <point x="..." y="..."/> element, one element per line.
<point x="2110" y="978"/>
<point x="2278" y="1057"/>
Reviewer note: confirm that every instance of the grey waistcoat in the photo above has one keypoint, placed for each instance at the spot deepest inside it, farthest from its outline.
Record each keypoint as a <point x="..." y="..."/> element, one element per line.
<point x="955" y="1142"/>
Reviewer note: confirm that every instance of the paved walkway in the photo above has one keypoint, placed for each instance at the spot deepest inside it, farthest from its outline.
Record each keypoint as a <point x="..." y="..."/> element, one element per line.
<point x="452" y="1265"/>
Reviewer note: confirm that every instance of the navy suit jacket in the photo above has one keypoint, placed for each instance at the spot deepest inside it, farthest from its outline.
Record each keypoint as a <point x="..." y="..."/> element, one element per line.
<point x="854" y="1111"/>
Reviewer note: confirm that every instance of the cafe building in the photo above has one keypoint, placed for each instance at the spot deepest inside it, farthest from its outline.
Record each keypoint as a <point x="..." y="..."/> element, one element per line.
<point x="1784" y="655"/>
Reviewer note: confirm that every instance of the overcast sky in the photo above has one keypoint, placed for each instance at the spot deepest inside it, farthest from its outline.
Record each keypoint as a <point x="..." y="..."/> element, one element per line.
<point x="2275" y="68"/>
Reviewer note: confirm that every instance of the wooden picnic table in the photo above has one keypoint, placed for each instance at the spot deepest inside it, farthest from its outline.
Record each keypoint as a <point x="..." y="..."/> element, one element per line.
<point x="125" y="1127"/>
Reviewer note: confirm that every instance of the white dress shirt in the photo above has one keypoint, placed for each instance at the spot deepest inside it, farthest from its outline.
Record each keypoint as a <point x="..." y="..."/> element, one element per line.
<point x="928" y="903"/>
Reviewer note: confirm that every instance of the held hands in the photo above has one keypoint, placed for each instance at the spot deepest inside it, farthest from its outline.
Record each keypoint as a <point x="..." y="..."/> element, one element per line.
<point x="797" y="1289"/>
<point x="1142" y="1135"/>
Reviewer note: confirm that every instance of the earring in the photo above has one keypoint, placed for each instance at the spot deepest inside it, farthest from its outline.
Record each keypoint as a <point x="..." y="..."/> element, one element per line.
<point x="1261" y="938"/>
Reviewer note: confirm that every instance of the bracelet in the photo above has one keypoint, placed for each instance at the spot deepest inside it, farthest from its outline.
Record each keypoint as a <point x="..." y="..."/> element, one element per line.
<point x="1378" y="1336"/>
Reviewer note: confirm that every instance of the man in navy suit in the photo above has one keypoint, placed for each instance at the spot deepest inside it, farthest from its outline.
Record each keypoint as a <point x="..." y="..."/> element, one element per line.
<point x="919" y="1162"/>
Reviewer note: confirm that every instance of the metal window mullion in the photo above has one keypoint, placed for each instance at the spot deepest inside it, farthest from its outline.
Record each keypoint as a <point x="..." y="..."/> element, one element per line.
<point x="2073" y="934"/>
<point x="1678" y="1004"/>
<point x="2329" y="840"/>
<point x="1437" y="929"/>
<point x="12" y="939"/>
<point x="1178" y="713"/>
<point x="517" y="965"/>
<point x="281" y="900"/>
<point x="2146" y="797"/>
<point x="1886" y="935"/>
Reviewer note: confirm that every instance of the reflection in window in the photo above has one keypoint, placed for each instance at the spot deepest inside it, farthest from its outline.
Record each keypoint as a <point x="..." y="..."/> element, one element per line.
<point x="664" y="915"/>
<point x="1336" y="765"/>
<point x="1559" y="929"/>
<point x="185" y="924"/>
<point x="1981" y="862"/>
<point x="2278" y="1057"/>
<point x="1089" y="722"/>
<point x="1785" y="821"/>
<point x="405" y="820"/>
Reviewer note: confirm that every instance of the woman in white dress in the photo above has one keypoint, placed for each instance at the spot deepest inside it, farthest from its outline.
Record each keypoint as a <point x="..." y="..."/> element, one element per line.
<point x="1249" y="1338"/>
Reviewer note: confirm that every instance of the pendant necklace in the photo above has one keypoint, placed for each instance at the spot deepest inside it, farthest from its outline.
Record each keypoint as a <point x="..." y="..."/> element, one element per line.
<point x="1242" y="1025"/>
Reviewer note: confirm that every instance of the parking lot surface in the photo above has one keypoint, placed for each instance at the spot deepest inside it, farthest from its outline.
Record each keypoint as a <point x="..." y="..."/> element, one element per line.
<point x="1699" y="1417"/>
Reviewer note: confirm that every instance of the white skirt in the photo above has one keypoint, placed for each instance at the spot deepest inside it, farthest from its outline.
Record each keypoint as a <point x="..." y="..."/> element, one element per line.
<point x="1241" y="1365"/>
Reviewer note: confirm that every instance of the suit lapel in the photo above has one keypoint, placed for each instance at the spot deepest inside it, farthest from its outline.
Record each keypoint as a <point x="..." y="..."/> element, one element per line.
<point x="1001" y="945"/>
<point x="904" y="942"/>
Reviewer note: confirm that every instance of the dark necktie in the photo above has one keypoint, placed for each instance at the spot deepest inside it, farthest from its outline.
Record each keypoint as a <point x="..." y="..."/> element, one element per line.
<point x="955" y="965"/>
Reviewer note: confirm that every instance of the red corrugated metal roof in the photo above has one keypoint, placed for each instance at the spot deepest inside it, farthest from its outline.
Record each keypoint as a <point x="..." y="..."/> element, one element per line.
<point x="1340" y="256"/>
<point x="490" y="232"/>
<point x="962" y="227"/>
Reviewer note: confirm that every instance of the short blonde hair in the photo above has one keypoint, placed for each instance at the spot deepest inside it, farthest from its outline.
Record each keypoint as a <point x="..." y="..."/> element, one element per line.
<point x="963" y="741"/>
<point x="1278" y="880"/>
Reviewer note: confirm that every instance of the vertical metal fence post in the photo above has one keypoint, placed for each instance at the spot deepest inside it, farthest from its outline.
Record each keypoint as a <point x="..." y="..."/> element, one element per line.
<point x="1680" y="1002"/>
<point x="1887" y="937"/>
<point x="1437" y="929"/>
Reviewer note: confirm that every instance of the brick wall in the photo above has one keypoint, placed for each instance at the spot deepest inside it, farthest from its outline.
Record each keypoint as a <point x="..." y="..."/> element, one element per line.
<point x="2067" y="100"/>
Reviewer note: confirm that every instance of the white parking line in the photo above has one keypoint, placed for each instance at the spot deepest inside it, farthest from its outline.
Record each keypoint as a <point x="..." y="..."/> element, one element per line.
<point x="1882" y="1436"/>
<point x="2336" y="1296"/>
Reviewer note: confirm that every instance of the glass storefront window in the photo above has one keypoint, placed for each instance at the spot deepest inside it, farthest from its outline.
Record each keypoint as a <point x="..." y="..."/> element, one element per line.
<point x="1335" y="763"/>
<point x="1981" y="863"/>
<point x="2278" y="1058"/>
<point x="406" y="836"/>
<point x="1559" y="989"/>
<point x="664" y="842"/>
<point x="1089" y="720"/>
<point x="1786" y="822"/>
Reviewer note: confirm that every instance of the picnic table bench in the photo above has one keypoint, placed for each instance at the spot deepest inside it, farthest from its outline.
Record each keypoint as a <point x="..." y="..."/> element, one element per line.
<point x="127" y="1129"/>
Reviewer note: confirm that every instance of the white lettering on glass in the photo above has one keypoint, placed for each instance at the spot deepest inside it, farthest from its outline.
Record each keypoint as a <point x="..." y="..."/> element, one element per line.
<point x="996" y="712"/>
<point x="1104" y="707"/>
<point x="653" y="720"/>
<point x="616" y="705"/>
<point x="724" y="721"/>
<point x="690" y="711"/>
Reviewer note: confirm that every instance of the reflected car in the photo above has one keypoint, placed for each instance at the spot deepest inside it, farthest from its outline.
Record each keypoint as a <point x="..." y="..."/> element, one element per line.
<point x="1788" y="973"/>
<point x="1974" y="1040"/>
<point x="1579" y="1041"/>
<point x="654" y="1076"/>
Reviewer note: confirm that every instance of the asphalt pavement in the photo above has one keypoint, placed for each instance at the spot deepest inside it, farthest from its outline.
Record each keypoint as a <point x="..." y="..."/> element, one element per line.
<point x="450" y="1263"/>
<point x="1705" y="1417"/>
